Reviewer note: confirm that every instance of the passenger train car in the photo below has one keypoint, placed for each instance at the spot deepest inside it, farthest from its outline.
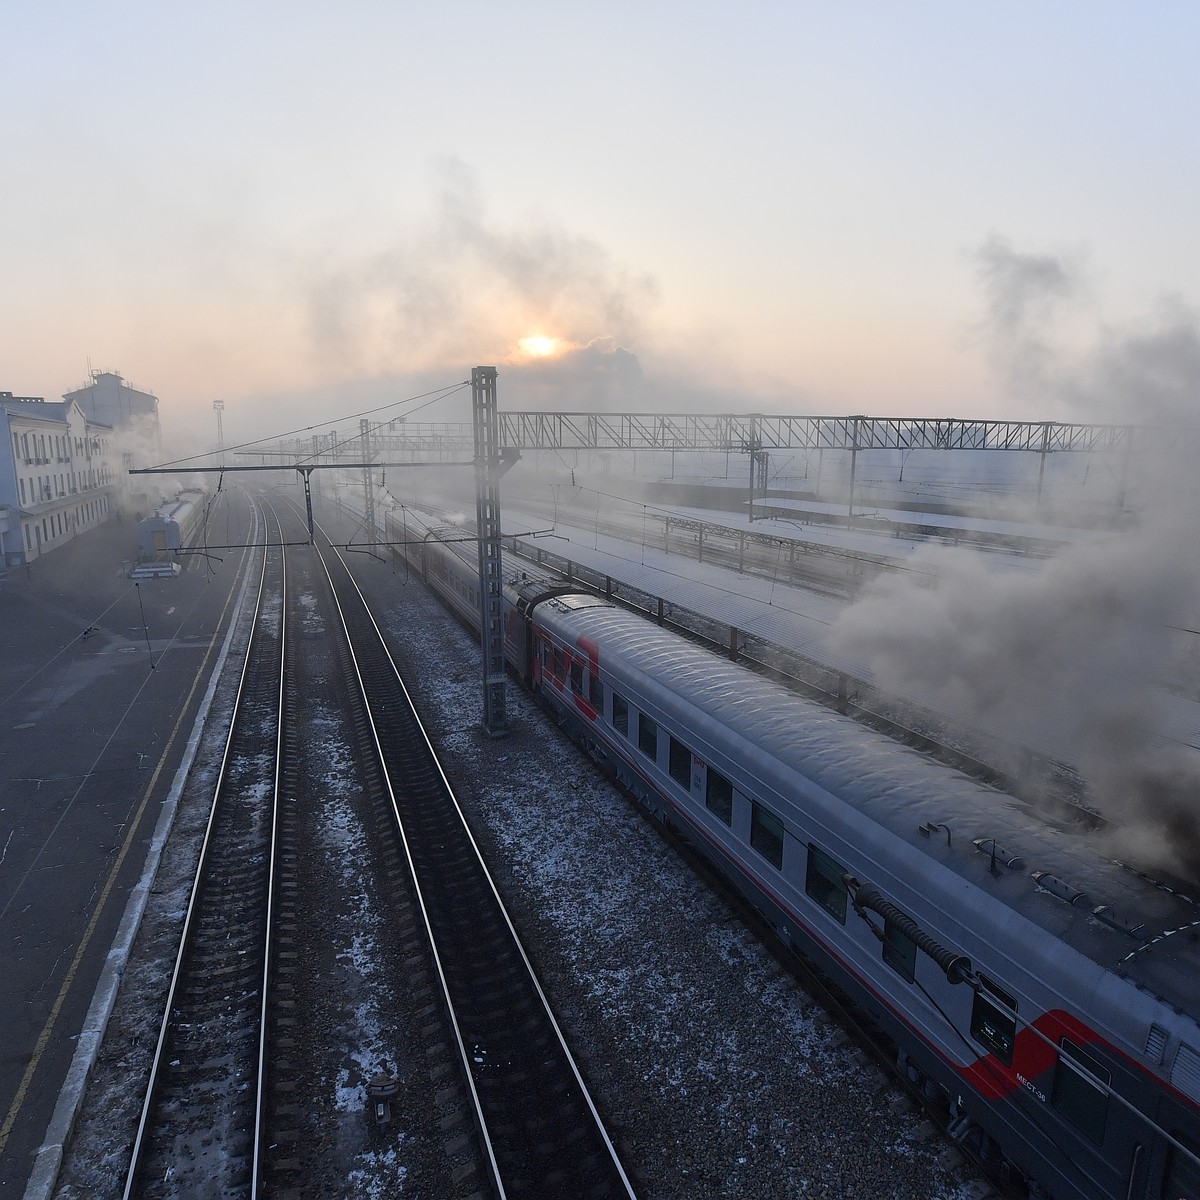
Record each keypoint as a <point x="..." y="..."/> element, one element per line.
<point x="1050" y="995"/>
<point x="168" y="528"/>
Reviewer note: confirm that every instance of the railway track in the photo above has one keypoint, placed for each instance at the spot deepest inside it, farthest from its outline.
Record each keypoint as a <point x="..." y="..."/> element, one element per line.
<point x="538" y="1129"/>
<point x="343" y="938"/>
<point x="203" y="1090"/>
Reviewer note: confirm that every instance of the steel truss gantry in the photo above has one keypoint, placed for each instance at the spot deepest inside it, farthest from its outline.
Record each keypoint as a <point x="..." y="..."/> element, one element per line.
<point x="757" y="434"/>
<point x="757" y="431"/>
<point x="725" y="432"/>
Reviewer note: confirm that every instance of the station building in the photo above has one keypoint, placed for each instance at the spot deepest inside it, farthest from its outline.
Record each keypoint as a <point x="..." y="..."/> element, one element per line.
<point x="109" y="400"/>
<point x="59" y="475"/>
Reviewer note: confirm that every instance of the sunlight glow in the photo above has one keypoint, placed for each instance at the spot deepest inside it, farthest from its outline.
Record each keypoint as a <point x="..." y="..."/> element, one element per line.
<point x="540" y="347"/>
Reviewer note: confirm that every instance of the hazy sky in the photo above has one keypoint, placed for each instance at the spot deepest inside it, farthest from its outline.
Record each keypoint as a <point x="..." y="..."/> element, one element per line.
<point x="917" y="208"/>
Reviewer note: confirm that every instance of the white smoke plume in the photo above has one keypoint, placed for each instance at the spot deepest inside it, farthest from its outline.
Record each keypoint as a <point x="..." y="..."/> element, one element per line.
<point x="1148" y="375"/>
<point x="1024" y="295"/>
<point x="1047" y="344"/>
<point x="1084" y="656"/>
<point x="1070" y="660"/>
<point x="461" y="287"/>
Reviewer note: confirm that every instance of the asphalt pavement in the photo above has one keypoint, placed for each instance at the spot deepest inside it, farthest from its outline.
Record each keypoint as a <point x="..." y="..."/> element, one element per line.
<point x="101" y="680"/>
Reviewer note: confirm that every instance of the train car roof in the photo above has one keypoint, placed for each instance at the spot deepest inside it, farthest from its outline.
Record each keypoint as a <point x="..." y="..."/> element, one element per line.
<point x="1060" y="878"/>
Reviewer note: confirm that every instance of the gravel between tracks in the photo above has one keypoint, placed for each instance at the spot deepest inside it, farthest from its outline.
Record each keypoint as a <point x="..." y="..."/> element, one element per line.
<point x="717" y="1075"/>
<point x="715" y="1070"/>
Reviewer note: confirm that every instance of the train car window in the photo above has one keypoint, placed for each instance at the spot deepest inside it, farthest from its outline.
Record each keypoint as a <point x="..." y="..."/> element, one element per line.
<point x="648" y="736"/>
<point x="1181" y="1178"/>
<point x="1077" y="1093"/>
<point x="766" y="835"/>
<point x="620" y="717"/>
<point x="718" y="796"/>
<point x="595" y="689"/>
<point x="994" y="1026"/>
<point x="899" y="951"/>
<point x="823" y="883"/>
<point x="679" y="763"/>
<point x="577" y="677"/>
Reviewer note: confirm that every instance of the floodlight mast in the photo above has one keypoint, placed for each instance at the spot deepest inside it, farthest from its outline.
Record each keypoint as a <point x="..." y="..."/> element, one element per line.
<point x="219" y="408"/>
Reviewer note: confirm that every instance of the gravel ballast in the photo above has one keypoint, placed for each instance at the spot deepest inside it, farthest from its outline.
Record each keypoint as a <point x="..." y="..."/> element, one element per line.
<point x="717" y="1075"/>
<point x="720" y="1075"/>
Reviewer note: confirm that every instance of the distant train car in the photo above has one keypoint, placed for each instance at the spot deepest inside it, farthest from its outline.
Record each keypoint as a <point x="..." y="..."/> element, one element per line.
<point x="449" y="567"/>
<point x="167" y="530"/>
<point x="1049" y="995"/>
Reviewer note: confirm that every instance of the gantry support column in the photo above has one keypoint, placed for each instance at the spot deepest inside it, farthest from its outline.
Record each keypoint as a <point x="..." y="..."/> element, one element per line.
<point x="1046" y="428"/>
<point x="853" y="465"/>
<point x="487" y="515"/>
<point x="759" y="461"/>
<point x="364" y="427"/>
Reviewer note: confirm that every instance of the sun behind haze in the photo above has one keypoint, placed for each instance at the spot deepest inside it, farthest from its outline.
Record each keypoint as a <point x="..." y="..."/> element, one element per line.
<point x="540" y="347"/>
<point x="925" y="209"/>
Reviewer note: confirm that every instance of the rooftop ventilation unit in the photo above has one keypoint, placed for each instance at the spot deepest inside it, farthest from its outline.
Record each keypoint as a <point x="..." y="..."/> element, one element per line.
<point x="1054" y="885"/>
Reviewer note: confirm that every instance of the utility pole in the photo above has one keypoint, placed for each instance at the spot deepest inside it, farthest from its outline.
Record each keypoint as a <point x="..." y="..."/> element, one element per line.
<point x="487" y="515"/>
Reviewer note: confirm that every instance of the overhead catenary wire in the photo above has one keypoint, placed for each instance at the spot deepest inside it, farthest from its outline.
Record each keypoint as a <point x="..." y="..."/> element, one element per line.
<point x="441" y="393"/>
<point x="437" y="395"/>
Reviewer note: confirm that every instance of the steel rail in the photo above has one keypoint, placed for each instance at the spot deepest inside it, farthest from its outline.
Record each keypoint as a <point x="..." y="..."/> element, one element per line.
<point x="273" y="841"/>
<point x="459" y="1041"/>
<point x="463" y="1050"/>
<point x="190" y="918"/>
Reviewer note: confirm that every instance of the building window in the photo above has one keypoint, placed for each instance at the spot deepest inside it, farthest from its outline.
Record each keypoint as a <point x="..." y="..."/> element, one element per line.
<point x="620" y="716"/>
<point x="823" y="883"/>
<point x="648" y="736"/>
<point x="766" y="835"/>
<point x="1078" y="1093"/>
<point x="718" y="796"/>
<point x="679" y="763"/>
<point x="994" y="1021"/>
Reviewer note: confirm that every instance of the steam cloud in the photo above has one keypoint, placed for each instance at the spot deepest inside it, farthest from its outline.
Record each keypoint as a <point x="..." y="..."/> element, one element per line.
<point x="1082" y="652"/>
<point x="1069" y="659"/>
<point x="1147" y="374"/>
<point x="1023" y="294"/>
<point x="463" y="289"/>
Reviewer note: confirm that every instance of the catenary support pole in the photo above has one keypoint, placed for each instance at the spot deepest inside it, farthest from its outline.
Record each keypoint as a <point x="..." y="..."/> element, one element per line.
<point x="487" y="514"/>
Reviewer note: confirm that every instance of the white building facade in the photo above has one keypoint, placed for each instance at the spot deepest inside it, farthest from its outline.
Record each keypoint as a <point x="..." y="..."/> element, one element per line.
<point x="58" y="475"/>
